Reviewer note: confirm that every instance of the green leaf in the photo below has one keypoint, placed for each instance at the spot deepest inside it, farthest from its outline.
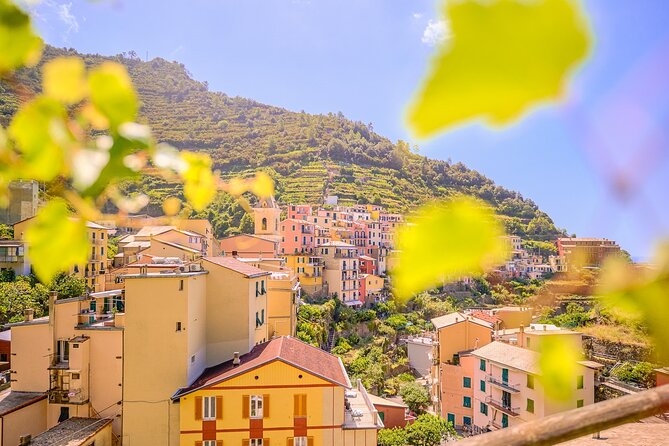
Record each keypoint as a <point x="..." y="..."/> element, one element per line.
<point x="503" y="57"/>
<point x="559" y="367"/>
<point x="56" y="241"/>
<point x="19" y="45"/>
<point x="40" y="132"/>
<point x="112" y="93"/>
<point x="64" y="79"/>
<point x="444" y="242"/>
<point x="199" y="181"/>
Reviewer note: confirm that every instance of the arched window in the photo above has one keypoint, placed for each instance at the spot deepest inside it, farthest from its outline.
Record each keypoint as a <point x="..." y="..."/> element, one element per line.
<point x="264" y="224"/>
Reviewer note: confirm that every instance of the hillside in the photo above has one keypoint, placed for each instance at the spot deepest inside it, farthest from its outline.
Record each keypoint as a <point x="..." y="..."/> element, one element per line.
<point x="308" y="155"/>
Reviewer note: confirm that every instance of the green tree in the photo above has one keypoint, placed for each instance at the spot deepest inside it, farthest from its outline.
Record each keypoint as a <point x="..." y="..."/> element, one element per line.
<point x="17" y="296"/>
<point x="415" y="396"/>
<point x="6" y="232"/>
<point x="429" y="430"/>
<point x="67" y="286"/>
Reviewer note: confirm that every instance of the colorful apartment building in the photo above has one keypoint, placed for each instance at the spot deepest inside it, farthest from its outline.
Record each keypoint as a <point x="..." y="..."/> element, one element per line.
<point x="282" y="392"/>
<point x="371" y="288"/>
<point x="586" y="252"/>
<point x="249" y="245"/>
<point x="367" y="265"/>
<point x="298" y="237"/>
<point x="342" y="271"/>
<point x="508" y="389"/>
<point x="299" y="211"/>
<point x="309" y="269"/>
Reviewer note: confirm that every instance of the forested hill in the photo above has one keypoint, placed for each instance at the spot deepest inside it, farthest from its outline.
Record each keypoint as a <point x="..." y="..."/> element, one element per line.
<point x="308" y="155"/>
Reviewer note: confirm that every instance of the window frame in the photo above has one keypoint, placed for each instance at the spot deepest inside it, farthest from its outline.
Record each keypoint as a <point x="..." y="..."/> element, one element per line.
<point x="255" y="410"/>
<point x="300" y="441"/>
<point x="255" y="442"/>
<point x="529" y="407"/>
<point x="209" y="408"/>
<point x="467" y="402"/>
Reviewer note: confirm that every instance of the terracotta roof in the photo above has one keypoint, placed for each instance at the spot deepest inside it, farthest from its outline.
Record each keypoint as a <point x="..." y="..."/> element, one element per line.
<point x="90" y="224"/>
<point x="237" y="265"/>
<point x="366" y="258"/>
<point x="249" y="235"/>
<point x="286" y="349"/>
<point x="455" y="318"/>
<point x="153" y="230"/>
<point x="178" y="246"/>
<point x="485" y="317"/>
<point x="510" y="355"/>
<point x="378" y="401"/>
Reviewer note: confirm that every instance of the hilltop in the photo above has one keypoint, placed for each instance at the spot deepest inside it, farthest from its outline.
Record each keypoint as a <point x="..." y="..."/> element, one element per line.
<point x="309" y="156"/>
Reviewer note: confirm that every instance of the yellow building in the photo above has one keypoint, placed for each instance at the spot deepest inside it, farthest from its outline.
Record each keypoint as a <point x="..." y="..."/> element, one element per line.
<point x="341" y="271"/>
<point x="309" y="269"/>
<point x="96" y="267"/>
<point x="283" y="392"/>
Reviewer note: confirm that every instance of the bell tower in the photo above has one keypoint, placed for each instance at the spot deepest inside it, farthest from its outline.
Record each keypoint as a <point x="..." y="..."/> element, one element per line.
<point x="267" y="216"/>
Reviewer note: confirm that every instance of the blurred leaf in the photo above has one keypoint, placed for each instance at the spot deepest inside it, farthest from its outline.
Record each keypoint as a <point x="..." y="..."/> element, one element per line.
<point x="263" y="185"/>
<point x="96" y="119"/>
<point x="503" y="57"/>
<point x="171" y="206"/>
<point x="641" y="291"/>
<point x="446" y="241"/>
<point x="199" y="181"/>
<point x="86" y="167"/>
<point x="64" y="79"/>
<point x="112" y="93"/>
<point x="559" y="368"/>
<point x="19" y="45"/>
<point x="56" y="241"/>
<point x="40" y="132"/>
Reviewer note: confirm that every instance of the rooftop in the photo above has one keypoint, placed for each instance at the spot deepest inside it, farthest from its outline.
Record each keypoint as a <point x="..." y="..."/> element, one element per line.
<point x="236" y="265"/>
<point x="510" y="355"/>
<point x="178" y="246"/>
<point x="148" y="231"/>
<point x="455" y="318"/>
<point x="378" y="401"/>
<point x="71" y="432"/>
<point x="338" y="244"/>
<point x="11" y="401"/>
<point x="631" y="434"/>
<point x="286" y="349"/>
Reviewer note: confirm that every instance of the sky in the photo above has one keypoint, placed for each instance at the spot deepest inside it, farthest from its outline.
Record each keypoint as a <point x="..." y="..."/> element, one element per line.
<point x="597" y="162"/>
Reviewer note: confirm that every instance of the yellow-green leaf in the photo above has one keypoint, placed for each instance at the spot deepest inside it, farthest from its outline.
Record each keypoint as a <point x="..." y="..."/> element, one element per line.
<point x="559" y="367"/>
<point x="19" y="45"/>
<point x="445" y="241"/>
<point x="40" y="133"/>
<point x="56" y="241"/>
<point x="199" y="181"/>
<point x="112" y="93"/>
<point x="262" y="185"/>
<point x="503" y="56"/>
<point x="64" y="79"/>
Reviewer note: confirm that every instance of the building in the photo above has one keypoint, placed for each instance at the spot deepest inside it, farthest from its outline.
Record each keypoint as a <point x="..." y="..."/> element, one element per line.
<point x="367" y="265"/>
<point x="77" y="432"/>
<point x="13" y="257"/>
<point x="298" y="237"/>
<point x="5" y="350"/>
<point x="299" y="211"/>
<point x="282" y="392"/>
<point x="586" y="252"/>
<point x="392" y="414"/>
<point x="420" y="353"/>
<point x="341" y="271"/>
<point x="371" y="288"/>
<point x="21" y="414"/>
<point x="23" y="201"/>
<point x="249" y="245"/>
<point x="508" y="389"/>
<point x="266" y="218"/>
<point x="309" y="269"/>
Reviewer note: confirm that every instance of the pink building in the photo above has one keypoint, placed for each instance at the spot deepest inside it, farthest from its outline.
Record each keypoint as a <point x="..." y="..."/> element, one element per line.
<point x="297" y="236"/>
<point x="299" y="211"/>
<point x="367" y="265"/>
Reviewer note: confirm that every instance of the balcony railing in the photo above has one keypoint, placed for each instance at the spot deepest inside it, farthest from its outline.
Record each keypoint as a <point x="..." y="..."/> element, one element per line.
<point x="503" y="384"/>
<point x="506" y="408"/>
<point x="11" y="259"/>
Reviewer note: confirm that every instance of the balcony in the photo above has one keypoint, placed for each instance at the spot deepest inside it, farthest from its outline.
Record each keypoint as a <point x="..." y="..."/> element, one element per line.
<point x="503" y="384"/>
<point x="502" y="406"/>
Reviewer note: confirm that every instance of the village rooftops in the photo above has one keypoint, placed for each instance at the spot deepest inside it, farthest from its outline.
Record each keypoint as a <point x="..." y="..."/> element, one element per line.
<point x="285" y="349"/>
<point x="548" y="329"/>
<point x="510" y="355"/>
<point x="71" y="432"/>
<point x="237" y="266"/>
<point x="13" y="401"/>
<point x="338" y="244"/>
<point x="455" y="318"/>
<point x="378" y="401"/>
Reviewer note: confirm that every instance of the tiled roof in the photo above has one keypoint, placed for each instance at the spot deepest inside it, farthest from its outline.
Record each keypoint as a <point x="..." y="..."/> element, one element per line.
<point x="455" y="318"/>
<point x="378" y="401"/>
<point x="11" y="401"/>
<point x="485" y="317"/>
<point x="510" y="355"/>
<point x="286" y="349"/>
<point x="71" y="432"/>
<point x="237" y="265"/>
<point x="178" y="246"/>
<point x="90" y="224"/>
<point x="153" y="230"/>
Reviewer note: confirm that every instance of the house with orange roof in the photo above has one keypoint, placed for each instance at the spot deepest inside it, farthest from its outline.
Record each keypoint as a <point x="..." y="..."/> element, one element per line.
<point x="283" y="392"/>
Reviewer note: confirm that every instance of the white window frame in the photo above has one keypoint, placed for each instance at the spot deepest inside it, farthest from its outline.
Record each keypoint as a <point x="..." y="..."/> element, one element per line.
<point x="300" y="441"/>
<point x="256" y="409"/>
<point x="209" y="443"/>
<point x="209" y="408"/>
<point x="256" y="442"/>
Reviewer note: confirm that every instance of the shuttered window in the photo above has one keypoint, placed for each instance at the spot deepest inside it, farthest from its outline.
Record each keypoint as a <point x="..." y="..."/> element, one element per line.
<point x="300" y="405"/>
<point x="209" y="408"/>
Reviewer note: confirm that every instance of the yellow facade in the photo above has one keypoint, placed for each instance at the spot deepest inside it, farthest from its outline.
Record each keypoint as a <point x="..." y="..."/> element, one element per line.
<point x="282" y="295"/>
<point x="309" y="269"/>
<point x="30" y="419"/>
<point x="296" y="403"/>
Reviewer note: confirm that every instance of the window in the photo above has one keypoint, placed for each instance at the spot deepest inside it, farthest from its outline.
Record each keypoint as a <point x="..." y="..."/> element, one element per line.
<point x="467" y="382"/>
<point x="579" y="403"/>
<point x="256" y="408"/>
<point x="482" y="386"/>
<point x="264" y="224"/>
<point x="76" y="376"/>
<point x="257" y="289"/>
<point x="484" y="408"/>
<point x="256" y="442"/>
<point x="482" y="365"/>
<point x="300" y="441"/>
<point x="506" y="399"/>
<point x="530" y="406"/>
<point x="178" y="326"/>
<point x="505" y="376"/>
<point x="467" y="421"/>
<point x="530" y="381"/>
<point x="300" y="406"/>
<point x="64" y="414"/>
<point x="3" y="357"/>
<point x="466" y="401"/>
<point x="209" y="443"/>
<point x="505" y="420"/>
<point x="579" y="382"/>
<point x="209" y="408"/>
<point x="181" y="285"/>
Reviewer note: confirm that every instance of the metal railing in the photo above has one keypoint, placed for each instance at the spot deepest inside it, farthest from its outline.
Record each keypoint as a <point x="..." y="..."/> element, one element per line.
<point x="506" y="408"/>
<point x="503" y="384"/>
<point x="577" y="423"/>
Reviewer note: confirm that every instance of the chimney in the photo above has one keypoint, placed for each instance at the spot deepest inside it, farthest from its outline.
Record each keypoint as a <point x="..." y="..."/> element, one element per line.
<point x="235" y="359"/>
<point x="25" y="440"/>
<point x="521" y="335"/>
<point x="28" y="314"/>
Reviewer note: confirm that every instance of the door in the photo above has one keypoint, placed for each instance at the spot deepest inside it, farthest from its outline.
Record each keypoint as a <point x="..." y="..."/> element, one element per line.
<point x="505" y="375"/>
<point x="467" y="421"/>
<point x="506" y="399"/>
<point x="505" y="420"/>
<point x="451" y="418"/>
